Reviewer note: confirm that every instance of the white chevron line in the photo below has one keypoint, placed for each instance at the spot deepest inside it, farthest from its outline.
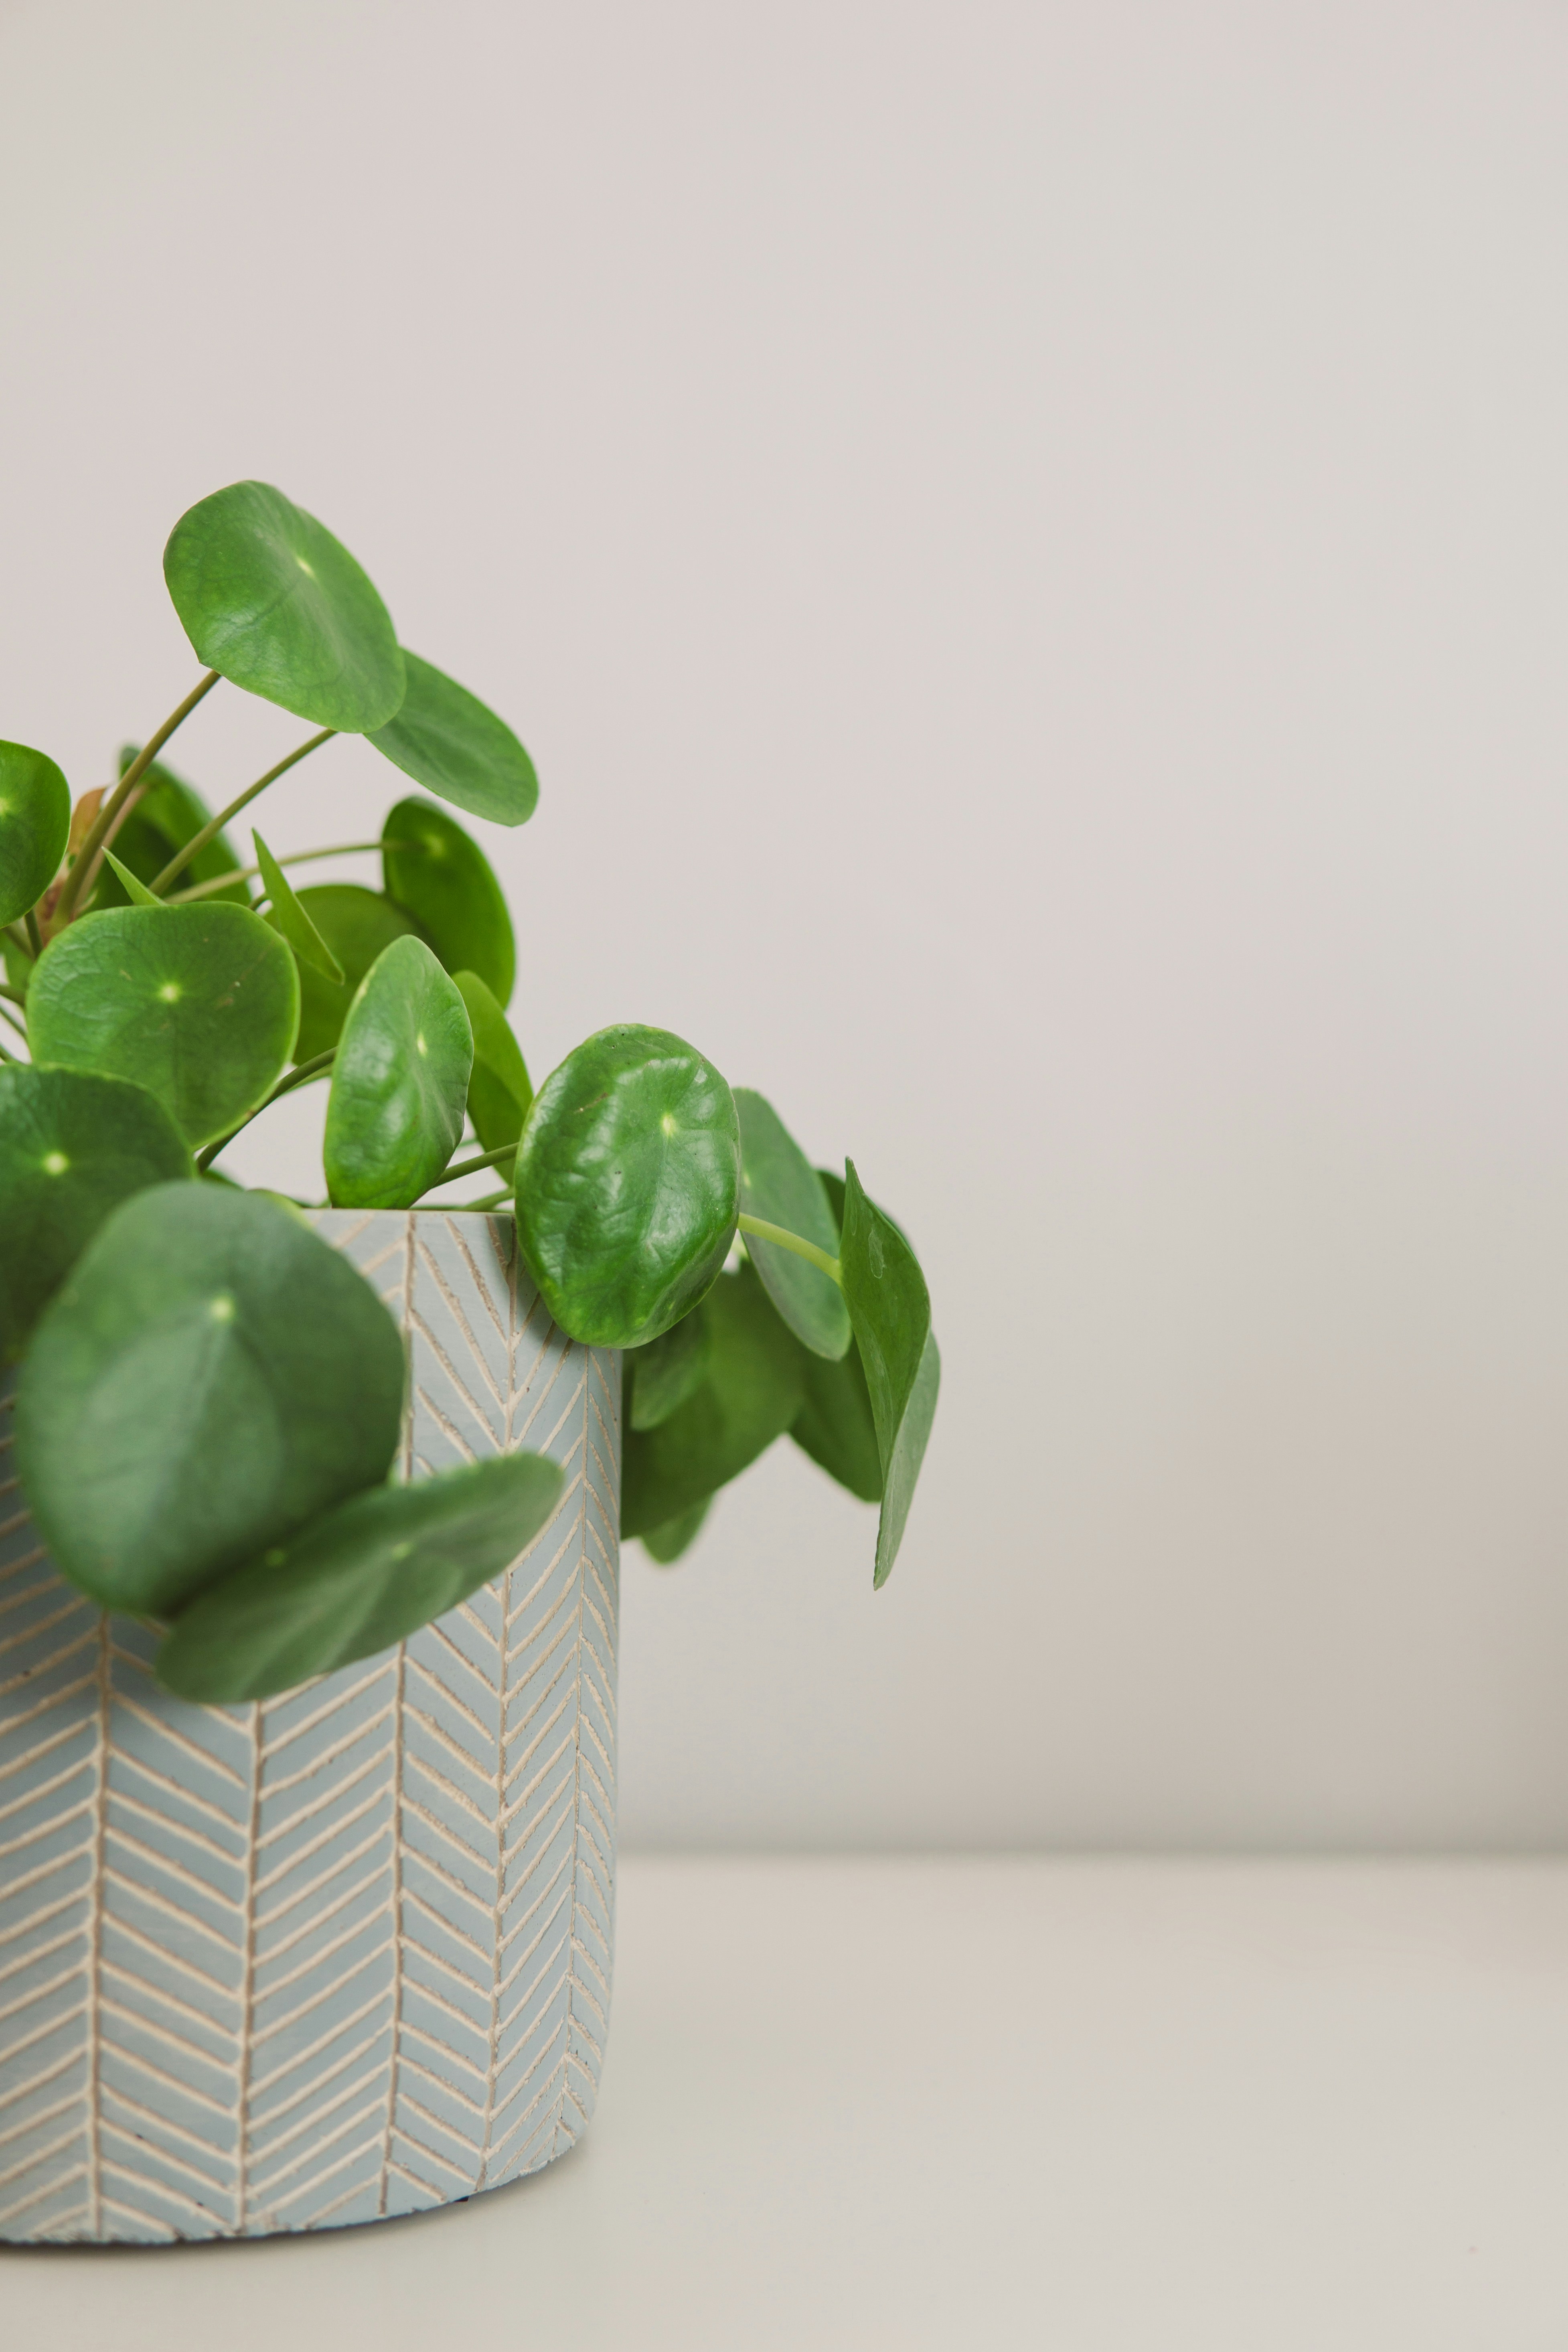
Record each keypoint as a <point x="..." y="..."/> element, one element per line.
<point x="120" y="1800"/>
<point x="418" y="1666"/>
<point x="320" y="2081"/>
<point x="317" y="2180"/>
<point x="127" y="2056"/>
<point x="127" y="1982"/>
<point x="313" y="2049"/>
<point x="520" y="1802"/>
<point x="31" y="2123"/>
<point x="135" y="2141"/>
<point x="204" y="1757"/>
<point x="40" y="2082"/>
<point x="161" y="2189"/>
<point x="561" y="1675"/>
<point x="323" y="1878"/>
<point x="437" y="1999"/>
<point x="166" y="1863"/>
<point x="448" y="2090"/>
<point x="39" y="2156"/>
<point x="432" y="1958"/>
<point x="546" y="1572"/>
<point x="332" y="1795"/>
<point x="328" y="1707"/>
<point x="460" y="1317"/>
<point x="437" y="2194"/>
<point x="26" y="2001"/>
<point x="36" y="1796"/>
<point x="433" y="1772"/>
<point x="449" y="1430"/>
<point x="39" y="1952"/>
<point x="31" y="1921"/>
<point x="309" y="2123"/>
<point x="180" y="1790"/>
<point x="281" y="1871"/>
<point x="526" y="1955"/>
<point x="416" y="1854"/>
<point x="274" y="2182"/>
<point x="273" y="1789"/>
<point x="320" y="1917"/>
<point x="325" y="1992"/>
<point x="475" y="1273"/>
<point x="44" y="1829"/>
<point x="448" y="1837"/>
<point x="173" y="1913"/>
<point x="275" y="1876"/>
<point x="395" y="1906"/>
<point x="18" y="1720"/>
<point x="33" y="1591"/>
<point x="47" y="1665"/>
<point x="443" y="1738"/>
<point x="447" y="1926"/>
<point x="136" y="2021"/>
<point x="156" y="2122"/>
<point x="415" y="2106"/>
<point x="145" y="2223"/>
<point x="275" y="1985"/>
<point x="50" y="2188"/>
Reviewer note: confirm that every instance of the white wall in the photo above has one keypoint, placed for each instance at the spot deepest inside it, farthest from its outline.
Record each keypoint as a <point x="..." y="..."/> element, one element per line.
<point x="1028" y="542"/>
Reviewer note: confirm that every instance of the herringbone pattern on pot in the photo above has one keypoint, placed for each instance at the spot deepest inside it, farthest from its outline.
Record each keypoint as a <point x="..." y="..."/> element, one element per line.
<point x="347" y="1952"/>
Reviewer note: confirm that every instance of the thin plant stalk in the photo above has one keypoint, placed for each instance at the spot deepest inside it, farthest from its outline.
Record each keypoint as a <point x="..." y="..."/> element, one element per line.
<point x="210" y="831"/>
<point x="104" y="822"/>
<point x="764" y="1232"/>
<point x="314" y="1069"/>
<point x="296" y="857"/>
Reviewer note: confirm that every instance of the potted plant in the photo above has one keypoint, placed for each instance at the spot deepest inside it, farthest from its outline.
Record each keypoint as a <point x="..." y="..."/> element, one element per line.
<point x="308" y="1576"/>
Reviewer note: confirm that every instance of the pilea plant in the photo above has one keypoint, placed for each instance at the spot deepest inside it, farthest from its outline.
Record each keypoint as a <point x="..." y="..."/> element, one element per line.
<point x="209" y="1397"/>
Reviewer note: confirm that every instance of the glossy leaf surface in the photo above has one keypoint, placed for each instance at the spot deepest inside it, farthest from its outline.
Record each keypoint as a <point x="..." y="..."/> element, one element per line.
<point x="34" y="825"/>
<point x="750" y="1395"/>
<point x="447" y="740"/>
<point x="668" y="1370"/>
<point x="72" y="1146"/>
<point x="292" y="919"/>
<point x="356" y="924"/>
<point x="666" y="1544"/>
<point x="198" y="1004"/>
<point x="270" y="600"/>
<point x="400" y="1083"/>
<point x="442" y="877"/>
<point x="374" y="1569"/>
<point x="501" y="1092"/>
<point x="210" y="1376"/>
<point x="167" y="813"/>
<point x="779" y="1185"/>
<point x="891" y="1309"/>
<point x="628" y="1185"/>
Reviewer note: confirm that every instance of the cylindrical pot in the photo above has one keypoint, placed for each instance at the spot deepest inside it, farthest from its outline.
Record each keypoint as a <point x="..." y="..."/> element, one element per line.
<point x="344" y="1953"/>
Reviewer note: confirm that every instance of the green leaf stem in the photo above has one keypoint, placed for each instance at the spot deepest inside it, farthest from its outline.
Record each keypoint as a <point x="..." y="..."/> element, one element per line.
<point x="779" y="1185"/>
<point x="210" y="1377"/>
<point x="166" y="814"/>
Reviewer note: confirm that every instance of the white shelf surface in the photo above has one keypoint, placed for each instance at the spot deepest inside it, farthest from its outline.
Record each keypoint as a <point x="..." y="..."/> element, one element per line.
<point x="1090" y="2105"/>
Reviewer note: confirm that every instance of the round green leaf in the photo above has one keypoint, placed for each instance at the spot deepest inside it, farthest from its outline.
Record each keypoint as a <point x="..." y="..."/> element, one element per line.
<point x="199" y="1005"/>
<point x="355" y="924"/>
<point x="166" y="814"/>
<point x="34" y="822"/>
<point x="368" y="1574"/>
<point x="72" y="1146"/>
<point x="447" y="740"/>
<point x="628" y="1179"/>
<point x="271" y="601"/>
<point x="667" y="1543"/>
<point x="750" y="1395"/>
<point x="210" y="1377"/>
<point x="891" y="1309"/>
<point x="442" y="877"/>
<point x="400" y="1083"/>
<point x="779" y="1185"/>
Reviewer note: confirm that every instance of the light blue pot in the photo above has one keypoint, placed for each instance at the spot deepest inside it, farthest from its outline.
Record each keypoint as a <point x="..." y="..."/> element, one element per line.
<point x="346" y="1953"/>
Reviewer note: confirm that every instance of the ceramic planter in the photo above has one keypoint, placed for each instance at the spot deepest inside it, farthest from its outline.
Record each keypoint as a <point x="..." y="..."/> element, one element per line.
<point x="345" y="1953"/>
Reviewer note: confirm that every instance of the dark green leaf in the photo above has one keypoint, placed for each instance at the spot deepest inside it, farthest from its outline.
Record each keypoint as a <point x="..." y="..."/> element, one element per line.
<point x="35" y="824"/>
<point x="199" y="1005"/>
<point x="72" y="1148"/>
<point x="365" y="1576"/>
<point x="499" y="1090"/>
<point x="400" y="1083"/>
<point x="447" y="740"/>
<point x="165" y="814"/>
<point x="779" y="1185"/>
<point x="891" y="1310"/>
<point x="666" y="1544"/>
<point x="270" y="600"/>
<point x="433" y="868"/>
<point x="209" y="1376"/>
<point x="835" y="1425"/>
<point x="356" y="924"/>
<point x="668" y="1370"/>
<point x="136" y="893"/>
<point x="752" y="1393"/>
<point x="628" y="1185"/>
<point x="292" y="919"/>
